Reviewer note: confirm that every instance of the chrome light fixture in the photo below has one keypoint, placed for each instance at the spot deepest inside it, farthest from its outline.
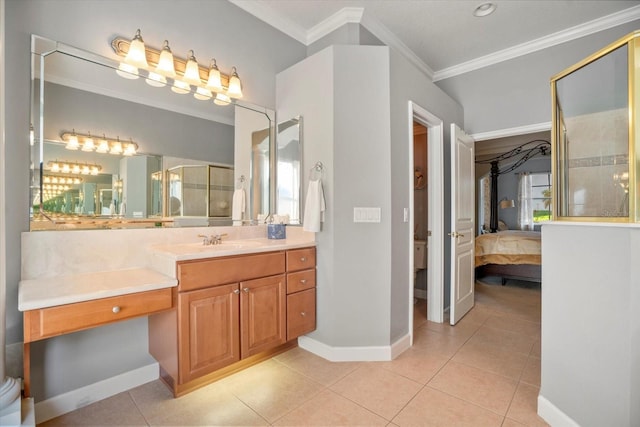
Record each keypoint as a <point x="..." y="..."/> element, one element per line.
<point x="159" y="65"/>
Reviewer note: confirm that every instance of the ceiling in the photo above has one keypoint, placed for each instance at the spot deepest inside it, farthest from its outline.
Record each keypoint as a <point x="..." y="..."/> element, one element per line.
<point x="444" y="37"/>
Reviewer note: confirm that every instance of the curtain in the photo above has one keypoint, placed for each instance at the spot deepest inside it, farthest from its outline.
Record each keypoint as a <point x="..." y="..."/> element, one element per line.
<point x="525" y="202"/>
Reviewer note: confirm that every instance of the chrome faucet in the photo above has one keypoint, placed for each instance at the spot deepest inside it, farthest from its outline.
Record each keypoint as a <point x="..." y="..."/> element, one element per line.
<point x="214" y="239"/>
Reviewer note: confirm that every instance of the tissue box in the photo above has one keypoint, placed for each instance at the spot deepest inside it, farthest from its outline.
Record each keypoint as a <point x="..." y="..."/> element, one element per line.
<point x="276" y="231"/>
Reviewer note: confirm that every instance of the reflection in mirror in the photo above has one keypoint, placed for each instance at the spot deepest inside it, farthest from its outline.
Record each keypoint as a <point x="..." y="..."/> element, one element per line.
<point x="289" y="169"/>
<point x="77" y="91"/>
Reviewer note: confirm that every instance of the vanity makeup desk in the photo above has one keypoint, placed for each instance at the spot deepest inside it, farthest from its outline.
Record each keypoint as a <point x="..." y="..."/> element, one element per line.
<point x="154" y="273"/>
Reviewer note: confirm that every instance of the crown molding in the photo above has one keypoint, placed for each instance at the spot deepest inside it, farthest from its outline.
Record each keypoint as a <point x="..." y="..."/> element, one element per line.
<point x="276" y="20"/>
<point x="582" y="30"/>
<point x="347" y="15"/>
<point x="514" y="131"/>
<point x="390" y="39"/>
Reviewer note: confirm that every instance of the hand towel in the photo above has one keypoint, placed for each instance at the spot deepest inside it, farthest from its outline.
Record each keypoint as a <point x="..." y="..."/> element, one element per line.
<point x="237" y="207"/>
<point x="314" y="207"/>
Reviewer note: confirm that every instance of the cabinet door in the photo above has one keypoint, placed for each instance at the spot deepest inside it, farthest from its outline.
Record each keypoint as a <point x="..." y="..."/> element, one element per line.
<point x="209" y="330"/>
<point x="301" y="313"/>
<point x="263" y="311"/>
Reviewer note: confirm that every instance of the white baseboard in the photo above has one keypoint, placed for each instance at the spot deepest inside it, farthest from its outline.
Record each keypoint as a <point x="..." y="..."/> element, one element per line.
<point x="75" y="399"/>
<point x="399" y="347"/>
<point x="355" y="354"/>
<point x="552" y="415"/>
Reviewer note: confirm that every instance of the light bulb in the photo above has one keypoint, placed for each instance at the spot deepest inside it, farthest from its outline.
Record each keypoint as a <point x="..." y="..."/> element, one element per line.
<point x="116" y="147"/>
<point x="214" y="82"/>
<point x="94" y="170"/>
<point x="85" y="170"/>
<point x="192" y="71"/>
<point x="222" y="99"/>
<point x="235" y="86"/>
<point x="47" y="179"/>
<point x="156" y="80"/>
<point x="103" y="146"/>
<point x="65" y="168"/>
<point x="137" y="55"/>
<point x="130" y="150"/>
<point x="75" y="169"/>
<point x="180" y="87"/>
<point x="127" y="71"/>
<point x="165" y="65"/>
<point x="72" y="143"/>
<point x="55" y="167"/>
<point x="88" y="144"/>
<point x="203" y="94"/>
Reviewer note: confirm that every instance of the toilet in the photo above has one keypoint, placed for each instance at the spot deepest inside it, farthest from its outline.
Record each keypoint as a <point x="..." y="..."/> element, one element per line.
<point x="419" y="257"/>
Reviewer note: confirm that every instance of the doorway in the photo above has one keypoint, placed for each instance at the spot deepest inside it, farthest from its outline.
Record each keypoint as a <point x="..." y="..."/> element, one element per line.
<point x="434" y="232"/>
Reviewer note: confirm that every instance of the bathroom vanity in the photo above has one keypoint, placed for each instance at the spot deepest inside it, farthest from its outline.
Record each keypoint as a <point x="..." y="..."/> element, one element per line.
<point x="232" y="312"/>
<point x="212" y="310"/>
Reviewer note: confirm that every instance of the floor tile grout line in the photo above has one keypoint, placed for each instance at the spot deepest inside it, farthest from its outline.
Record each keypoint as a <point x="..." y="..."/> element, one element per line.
<point x="138" y="408"/>
<point x="467" y="401"/>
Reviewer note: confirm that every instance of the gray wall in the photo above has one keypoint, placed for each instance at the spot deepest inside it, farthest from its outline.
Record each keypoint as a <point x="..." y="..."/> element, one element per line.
<point x="517" y="92"/>
<point x="410" y="84"/>
<point x="236" y="38"/>
<point x="591" y="328"/>
<point x="346" y="127"/>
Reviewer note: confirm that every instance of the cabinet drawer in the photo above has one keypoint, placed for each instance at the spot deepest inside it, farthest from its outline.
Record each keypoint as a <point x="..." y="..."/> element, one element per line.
<point x="52" y="321"/>
<point x="301" y="313"/>
<point x="199" y="274"/>
<point x="301" y="259"/>
<point x="301" y="280"/>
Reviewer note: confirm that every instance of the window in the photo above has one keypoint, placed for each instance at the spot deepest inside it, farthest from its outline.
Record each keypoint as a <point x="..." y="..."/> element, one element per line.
<point x="534" y="199"/>
<point x="541" y="196"/>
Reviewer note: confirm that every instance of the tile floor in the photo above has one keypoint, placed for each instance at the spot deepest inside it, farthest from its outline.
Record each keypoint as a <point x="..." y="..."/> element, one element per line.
<point x="485" y="371"/>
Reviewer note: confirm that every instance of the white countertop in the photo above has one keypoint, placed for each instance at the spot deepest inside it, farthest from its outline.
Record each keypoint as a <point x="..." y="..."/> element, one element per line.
<point x="189" y="251"/>
<point x="48" y="292"/>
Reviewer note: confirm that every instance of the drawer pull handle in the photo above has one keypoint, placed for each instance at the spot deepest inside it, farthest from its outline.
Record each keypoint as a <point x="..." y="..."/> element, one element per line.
<point x="246" y="290"/>
<point x="303" y="259"/>
<point x="116" y="309"/>
<point x="303" y="281"/>
<point x="302" y="313"/>
<point x="237" y="291"/>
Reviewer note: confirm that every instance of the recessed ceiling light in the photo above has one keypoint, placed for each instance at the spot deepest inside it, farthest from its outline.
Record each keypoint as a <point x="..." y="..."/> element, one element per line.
<point x="485" y="9"/>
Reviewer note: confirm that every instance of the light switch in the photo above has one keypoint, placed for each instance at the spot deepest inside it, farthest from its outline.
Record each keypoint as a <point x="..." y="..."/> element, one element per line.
<point x="366" y="214"/>
<point x="406" y="214"/>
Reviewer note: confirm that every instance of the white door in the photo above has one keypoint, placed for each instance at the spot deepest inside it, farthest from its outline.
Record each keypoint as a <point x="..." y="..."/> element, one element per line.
<point x="462" y="223"/>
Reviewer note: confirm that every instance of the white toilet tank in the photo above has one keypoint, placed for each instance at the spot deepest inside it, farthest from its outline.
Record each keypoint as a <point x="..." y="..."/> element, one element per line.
<point x="419" y="254"/>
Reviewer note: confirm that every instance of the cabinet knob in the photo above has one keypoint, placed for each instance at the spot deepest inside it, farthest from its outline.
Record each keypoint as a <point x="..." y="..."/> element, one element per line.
<point x="246" y="290"/>
<point x="303" y="259"/>
<point x="116" y="309"/>
<point x="303" y="281"/>
<point x="302" y="313"/>
<point x="237" y="291"/>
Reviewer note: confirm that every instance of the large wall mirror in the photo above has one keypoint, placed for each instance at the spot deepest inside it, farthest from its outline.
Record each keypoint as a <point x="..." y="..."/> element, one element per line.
<point x="159" y="149"/>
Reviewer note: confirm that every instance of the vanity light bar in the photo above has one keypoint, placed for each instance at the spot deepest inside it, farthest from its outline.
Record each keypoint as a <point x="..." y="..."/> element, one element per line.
<point x="74" y="168"/>
<point x="59" y="179"/>
<point x="225" y="85"/>
<point x="79" y="141"/>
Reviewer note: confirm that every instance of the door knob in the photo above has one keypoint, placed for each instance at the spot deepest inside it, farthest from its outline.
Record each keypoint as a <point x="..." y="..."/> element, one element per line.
<point x="455" y="234"/>
<point x="237" y="291"/>
<point x="246" y="290"/>
<point x="116" y="309"/>
<point x="303" y="281"/>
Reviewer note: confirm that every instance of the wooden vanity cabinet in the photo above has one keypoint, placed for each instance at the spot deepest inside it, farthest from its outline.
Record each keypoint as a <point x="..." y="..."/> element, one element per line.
<point x="226" y="313"/>
<point x="301" y="292"/>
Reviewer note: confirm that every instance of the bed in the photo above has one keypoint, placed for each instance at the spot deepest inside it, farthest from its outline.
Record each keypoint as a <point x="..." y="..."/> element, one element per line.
<point x="509" y="254"/>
